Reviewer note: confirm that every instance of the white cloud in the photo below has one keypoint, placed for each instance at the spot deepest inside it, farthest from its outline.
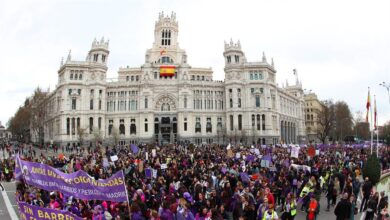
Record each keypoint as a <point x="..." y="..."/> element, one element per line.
<point x="339" y="47"/>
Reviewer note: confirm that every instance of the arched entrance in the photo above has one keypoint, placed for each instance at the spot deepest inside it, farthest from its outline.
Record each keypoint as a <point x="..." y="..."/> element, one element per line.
<point x="165" y="120"/>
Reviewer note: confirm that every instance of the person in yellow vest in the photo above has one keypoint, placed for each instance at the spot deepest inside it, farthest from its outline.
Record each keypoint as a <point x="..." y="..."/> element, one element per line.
<point x="290" y="208"/>
<point x="312" y="208"/>
<point x="270" y="214"/>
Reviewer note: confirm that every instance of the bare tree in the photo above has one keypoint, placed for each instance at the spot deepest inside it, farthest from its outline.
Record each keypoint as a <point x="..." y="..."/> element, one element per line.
<point x="343" y="120"/>
<point x="19" y="124"/>
<point x="81" y="134"/>
<point x="37" y="107"/>
<point x="325" y="121"/>
<point x="97" y="135"/>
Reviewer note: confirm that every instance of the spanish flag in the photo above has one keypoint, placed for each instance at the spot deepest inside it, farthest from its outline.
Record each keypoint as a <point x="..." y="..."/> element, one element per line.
<point x="167" y="70"/>
<point x="368" y="105"/>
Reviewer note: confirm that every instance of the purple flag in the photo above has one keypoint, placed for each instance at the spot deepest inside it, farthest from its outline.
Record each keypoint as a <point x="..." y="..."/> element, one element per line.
<point x="244" y="177"/>
<point x="35" y="212"/>
<point x="267" y="157"/>
<point x="18" y="171"/>
<point x="148" y="173"/>
<point x="134" y="148"/>
<point x="250" y="158"/>
<point x="78" y="184"/>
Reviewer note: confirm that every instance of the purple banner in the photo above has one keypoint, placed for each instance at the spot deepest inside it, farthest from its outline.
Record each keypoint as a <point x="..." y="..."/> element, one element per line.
<point x="78" y="184"/>
<point x="28" y="212"/>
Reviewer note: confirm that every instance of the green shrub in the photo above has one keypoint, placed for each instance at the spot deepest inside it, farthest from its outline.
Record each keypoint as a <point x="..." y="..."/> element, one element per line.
<point x="372" y="169"/>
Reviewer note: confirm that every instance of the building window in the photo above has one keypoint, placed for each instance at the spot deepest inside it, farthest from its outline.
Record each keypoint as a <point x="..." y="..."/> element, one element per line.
<point x="146" y="103"/>
<point x="251" y="76"/>
<point x="239" y="102"/>
<point x="166" y="38"/>
<point x="219" y="123"/>
<point x="263" y="121"/>
<point x="80" y="76"/>
<point x="185" y="126"/>
<point x="95" y="57"/>
<point x="79" y="91"/>
<point x="100" y="104"/>
<point x="257" y="101"/>
<point x="73" y="126"/>
<point x="100" y="123"/>
<point x="237" y="58"/>
<point x="239" y="122"/>
<point x="91" y="104"/>
<point x="133" y="128"/>
<point x="70" y="92"/>
<point x="253" y="121"/>
<point x="258" y="122"/>
<point x="127" y="78"/>
<point x="78" y="124"/>
<point x="103" y="58"/>
<point x="208" y="125"/>
<point x="231" y="103"/>
<point x="231" y="122"/>
<point x="74" y="104"/>
<point x="110" y="125"/>
<point x="185" y="102"/>
<point x="71" y="76"/>
<point x="122" y="128"/>
<point x="67" y="126"/>
<point x="229" y="59"/>
<point x="90" y="125"/>
<point x="197" y="125"/>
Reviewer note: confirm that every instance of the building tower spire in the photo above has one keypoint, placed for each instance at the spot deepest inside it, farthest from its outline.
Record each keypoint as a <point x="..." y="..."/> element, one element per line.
<point x="69" y="56"/>
<point x="264" y="58"/>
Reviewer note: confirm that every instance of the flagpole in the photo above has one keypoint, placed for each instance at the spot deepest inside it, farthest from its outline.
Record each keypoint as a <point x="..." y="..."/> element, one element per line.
<point x="376" y="128"/>
<point x="371" y="127"/>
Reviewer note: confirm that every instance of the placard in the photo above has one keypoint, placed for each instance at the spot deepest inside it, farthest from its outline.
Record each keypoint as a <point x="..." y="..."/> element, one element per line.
<point x="114" y="158"/>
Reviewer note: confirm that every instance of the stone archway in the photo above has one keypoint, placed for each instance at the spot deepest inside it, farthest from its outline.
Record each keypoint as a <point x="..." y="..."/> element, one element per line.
<point x="165" y="124"/>
<point x="165" y="103"/>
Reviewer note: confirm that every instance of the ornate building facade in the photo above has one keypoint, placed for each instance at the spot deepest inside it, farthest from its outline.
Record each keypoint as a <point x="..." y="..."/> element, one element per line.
<point x="313" y="110"/>
<point x="166" y="100"/>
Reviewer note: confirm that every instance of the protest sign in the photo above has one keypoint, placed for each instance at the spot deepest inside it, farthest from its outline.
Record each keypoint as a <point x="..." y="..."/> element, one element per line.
<point x="295" y="152"/>
<point x="114" y="158"/>
<point x="27" y="211"/>
<point x="164" y="166"/>
<point x="78" y="184"/>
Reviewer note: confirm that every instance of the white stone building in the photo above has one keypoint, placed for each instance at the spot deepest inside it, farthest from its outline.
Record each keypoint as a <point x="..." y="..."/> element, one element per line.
<point x="167" y="100"/>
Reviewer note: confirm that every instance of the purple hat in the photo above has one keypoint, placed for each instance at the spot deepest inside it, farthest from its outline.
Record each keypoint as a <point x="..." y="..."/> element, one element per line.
<point x="188" y="197"/>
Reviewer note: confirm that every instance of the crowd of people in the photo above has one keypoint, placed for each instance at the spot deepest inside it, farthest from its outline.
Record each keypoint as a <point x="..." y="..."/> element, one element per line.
<point x="213" y="182"/>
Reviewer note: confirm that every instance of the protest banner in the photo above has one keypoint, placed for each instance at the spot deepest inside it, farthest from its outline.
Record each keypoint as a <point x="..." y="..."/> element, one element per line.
<point x="28" y="212"/>
<point x="78" y="184"/>
<point x="114" y="158"/>
<point x="294" y="151"/>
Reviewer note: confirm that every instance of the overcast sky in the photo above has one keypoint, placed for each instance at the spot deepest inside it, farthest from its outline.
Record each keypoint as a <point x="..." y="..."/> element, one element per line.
<point x="338" y="47"/>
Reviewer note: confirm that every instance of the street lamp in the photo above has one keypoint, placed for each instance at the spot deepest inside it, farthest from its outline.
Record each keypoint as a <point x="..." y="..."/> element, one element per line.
<point x="387" y="86"/>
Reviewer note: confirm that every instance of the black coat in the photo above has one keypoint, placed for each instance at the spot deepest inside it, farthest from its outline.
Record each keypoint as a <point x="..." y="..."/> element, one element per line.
<point x="343" y="210"/>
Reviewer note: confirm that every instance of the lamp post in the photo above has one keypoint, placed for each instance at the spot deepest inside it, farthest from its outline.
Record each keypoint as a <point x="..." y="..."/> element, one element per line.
<point x="387" y="86"/>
